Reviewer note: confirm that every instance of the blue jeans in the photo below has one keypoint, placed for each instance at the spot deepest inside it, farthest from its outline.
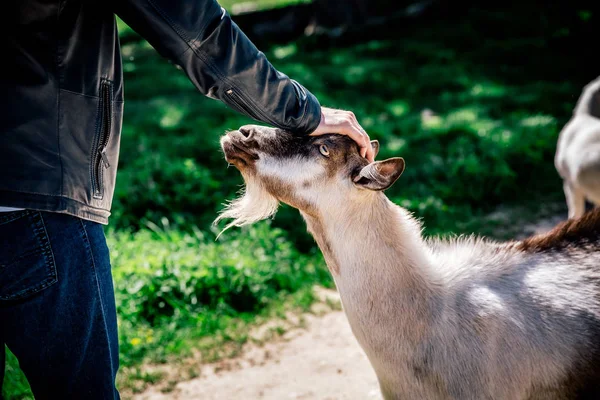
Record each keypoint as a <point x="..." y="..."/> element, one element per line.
<point x="57" y="305"/>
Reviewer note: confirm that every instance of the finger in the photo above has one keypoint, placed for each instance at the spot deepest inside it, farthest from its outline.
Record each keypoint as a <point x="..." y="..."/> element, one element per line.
<point x="358" y="134"/>
<point x="362" y="139"/>
<point x="349" y="126"/>
<point x="370" y="153"/>
<point x="353" y="117"/>
<point x="366" y="150"/>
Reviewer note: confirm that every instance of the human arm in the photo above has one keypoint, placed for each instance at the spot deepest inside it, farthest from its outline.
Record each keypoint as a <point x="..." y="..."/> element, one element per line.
<point x="200" y="37"/>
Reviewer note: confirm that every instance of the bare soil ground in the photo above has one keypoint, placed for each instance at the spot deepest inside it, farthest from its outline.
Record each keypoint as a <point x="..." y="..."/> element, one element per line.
<point x="321" y="362"/>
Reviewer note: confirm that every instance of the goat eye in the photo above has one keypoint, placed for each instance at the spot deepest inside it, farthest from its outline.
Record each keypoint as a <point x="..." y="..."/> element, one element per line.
<point x="323" y="149"/>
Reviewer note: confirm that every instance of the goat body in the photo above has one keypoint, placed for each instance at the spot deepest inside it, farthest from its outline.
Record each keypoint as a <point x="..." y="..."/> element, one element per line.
<point x="464" y="318"/>
<point x="467" y="318"/>
<point x="577" y="157"/>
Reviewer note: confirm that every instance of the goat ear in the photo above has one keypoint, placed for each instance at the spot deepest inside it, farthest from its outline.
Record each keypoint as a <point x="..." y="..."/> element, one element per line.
<point x="375" y="146"/>
<point x="380" y="175"/>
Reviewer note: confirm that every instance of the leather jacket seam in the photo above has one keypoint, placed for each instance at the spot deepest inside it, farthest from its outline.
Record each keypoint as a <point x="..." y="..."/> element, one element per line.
<point x="310" y="98"/>
<point x="304" y="106"/>
<point x="61" y="196"/>
<point x="58" y="102"/>
<point x="229" y="83"/>
<point x="173" y="26"/>
<point x="90" y="96"/>
<point x="187" y="40"/>
<point x="253" y="106"/>
<point x="201" y="31"/>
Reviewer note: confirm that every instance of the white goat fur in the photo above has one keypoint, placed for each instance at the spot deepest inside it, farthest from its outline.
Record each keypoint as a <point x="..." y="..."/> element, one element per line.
<point x="577" y="157"/>
<point x="464" y="318"/>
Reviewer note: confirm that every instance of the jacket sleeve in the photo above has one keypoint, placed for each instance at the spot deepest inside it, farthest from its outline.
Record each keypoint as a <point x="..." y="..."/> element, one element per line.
<point x="200" y="37"/>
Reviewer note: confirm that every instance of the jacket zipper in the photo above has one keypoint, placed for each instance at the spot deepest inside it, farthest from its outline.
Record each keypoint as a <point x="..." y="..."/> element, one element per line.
<point x="257" y="114"/>
<point x="100" y="159"/>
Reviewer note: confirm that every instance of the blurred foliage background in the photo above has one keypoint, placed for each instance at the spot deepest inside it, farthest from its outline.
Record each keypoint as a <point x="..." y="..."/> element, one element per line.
<point x="472" y="95"/>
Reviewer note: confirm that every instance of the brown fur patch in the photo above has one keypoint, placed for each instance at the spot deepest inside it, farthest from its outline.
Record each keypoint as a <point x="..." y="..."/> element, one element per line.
<point x="285" y="192"/>
<point x="570" y="233"/>
<point x="344" y="155"/>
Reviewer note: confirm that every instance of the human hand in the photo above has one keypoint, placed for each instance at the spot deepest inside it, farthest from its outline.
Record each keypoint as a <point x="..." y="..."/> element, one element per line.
<point x="345" y="123"/>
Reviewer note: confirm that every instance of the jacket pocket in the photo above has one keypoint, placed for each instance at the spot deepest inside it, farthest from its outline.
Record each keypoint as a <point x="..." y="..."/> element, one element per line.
<point x="26" y="261"/>
<point x="105" y="122"/>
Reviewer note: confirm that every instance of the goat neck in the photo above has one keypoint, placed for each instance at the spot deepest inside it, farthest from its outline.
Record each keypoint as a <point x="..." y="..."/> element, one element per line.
<point x="381" y="267"/>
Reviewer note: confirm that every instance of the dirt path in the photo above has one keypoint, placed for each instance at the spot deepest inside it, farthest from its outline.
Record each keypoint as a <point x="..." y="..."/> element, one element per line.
<point x="321" y="362"/>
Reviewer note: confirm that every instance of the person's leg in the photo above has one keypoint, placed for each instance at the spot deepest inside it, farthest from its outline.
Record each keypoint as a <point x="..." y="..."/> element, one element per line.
<point x="575" y="200"/>
<point x="57" y="304"/>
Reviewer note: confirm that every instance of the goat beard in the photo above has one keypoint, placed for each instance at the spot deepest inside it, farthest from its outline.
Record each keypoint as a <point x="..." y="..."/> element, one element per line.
<point x="254" y="204"/>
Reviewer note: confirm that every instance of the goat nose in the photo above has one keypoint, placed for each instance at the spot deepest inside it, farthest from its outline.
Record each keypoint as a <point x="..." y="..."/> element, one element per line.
<point x="247" y="131"/>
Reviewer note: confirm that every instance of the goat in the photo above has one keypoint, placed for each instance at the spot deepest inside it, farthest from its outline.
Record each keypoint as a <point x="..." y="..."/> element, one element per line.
<point x="466" y="318"/>
<point x="577" y="157"/>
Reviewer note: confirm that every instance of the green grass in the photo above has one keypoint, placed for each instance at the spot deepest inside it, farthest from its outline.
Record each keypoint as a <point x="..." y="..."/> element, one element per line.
<point x="230" y="5"/>
<point x="180" y="293"/>
<point x="198" y="287"/>
<point x="16" y="386"/>
<point x="490" y="142"/>
<point x="499" y="98"/>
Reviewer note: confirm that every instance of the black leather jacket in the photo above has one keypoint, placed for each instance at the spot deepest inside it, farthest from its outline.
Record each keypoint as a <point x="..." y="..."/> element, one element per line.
<point x="62" y="91"/>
